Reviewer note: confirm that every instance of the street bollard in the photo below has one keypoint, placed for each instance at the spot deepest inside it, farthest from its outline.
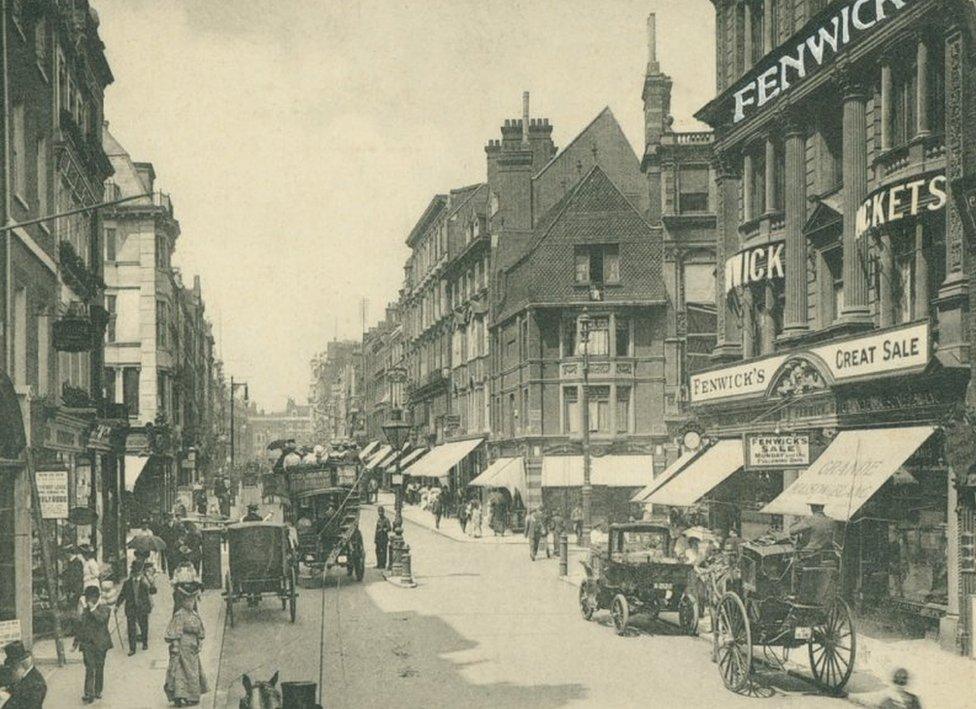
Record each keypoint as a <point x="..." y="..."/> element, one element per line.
<point x="406" y="564"/>
<point x="563" y="554"/>
<point x="397" y="569"/>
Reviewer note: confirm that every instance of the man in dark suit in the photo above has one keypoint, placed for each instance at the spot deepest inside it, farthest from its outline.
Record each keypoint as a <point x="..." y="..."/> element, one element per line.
<point x="135" y="594"/>
<point x="94" y="640"/>
<point x="23" y="681"/>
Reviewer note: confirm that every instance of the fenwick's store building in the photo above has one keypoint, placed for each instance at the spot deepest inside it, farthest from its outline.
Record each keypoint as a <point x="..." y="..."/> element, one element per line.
<point x="843" y="354"/>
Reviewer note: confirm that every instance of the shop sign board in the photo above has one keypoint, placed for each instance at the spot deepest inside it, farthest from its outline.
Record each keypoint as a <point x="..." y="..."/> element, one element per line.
<point x="904" y="200"/>
<point x="52" y="489"/>
<point x="821" y="41"/>
<point x="754" y="265"/>
<point x="9" y="631"/>
<point x="777" y="450"/>
<point x="880" y="353"/>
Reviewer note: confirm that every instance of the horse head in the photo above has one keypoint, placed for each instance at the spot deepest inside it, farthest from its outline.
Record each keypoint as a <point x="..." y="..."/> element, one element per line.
<point x="261" y="695"/>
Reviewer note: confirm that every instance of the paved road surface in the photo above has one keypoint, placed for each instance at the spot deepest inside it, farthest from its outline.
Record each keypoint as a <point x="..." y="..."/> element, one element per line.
<point x="485" y="628"/>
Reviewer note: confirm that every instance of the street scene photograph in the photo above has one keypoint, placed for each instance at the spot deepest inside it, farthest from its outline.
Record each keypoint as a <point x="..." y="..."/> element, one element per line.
<point x="487" y="354"/>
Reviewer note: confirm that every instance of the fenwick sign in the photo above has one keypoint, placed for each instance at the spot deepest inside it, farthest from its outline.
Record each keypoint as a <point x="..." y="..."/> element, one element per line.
<point x="819" y="42"/>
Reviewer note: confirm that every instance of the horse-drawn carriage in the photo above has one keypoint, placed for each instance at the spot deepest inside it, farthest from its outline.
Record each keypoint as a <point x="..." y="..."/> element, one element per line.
<point x="784" y="597"/>
<point x="323" y="505"/>
<point x="636" y="574"/>
<point x="262" y="561"/>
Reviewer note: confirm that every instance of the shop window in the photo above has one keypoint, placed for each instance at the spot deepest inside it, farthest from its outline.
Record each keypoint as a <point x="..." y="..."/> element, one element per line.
<point x="571" y="410"/>
<point x="130" y="389"/>
<point x="598" y="403"/>
<point x="597" y="264"/>
<point x="903" y="278"/>
<point x="701" y="336"/>
<point x="622" y="333"/>
<point x="693" y="185"/>
<point x="623" y="409"/>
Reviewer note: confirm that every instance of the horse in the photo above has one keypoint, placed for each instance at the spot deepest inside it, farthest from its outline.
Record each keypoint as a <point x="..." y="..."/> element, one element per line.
<point x="261" y="695"/>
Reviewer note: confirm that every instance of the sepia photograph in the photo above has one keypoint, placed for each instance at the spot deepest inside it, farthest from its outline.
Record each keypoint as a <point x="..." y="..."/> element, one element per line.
<point x="487" y="354"/>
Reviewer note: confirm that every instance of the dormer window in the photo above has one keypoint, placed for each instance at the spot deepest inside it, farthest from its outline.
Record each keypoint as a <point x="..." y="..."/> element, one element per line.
<point x="597" y="264"/>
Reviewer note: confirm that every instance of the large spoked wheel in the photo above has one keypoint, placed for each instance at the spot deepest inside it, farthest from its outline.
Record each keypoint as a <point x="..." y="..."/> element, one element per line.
<point x="833" y="646"/>
<point x="620" y="612"/>
<point x="230" y="600"/>
<point x="688" y="614"/>
<point x="734" y="642"/>
<point x="585" y="602"/>
<point x="293" y="595"/>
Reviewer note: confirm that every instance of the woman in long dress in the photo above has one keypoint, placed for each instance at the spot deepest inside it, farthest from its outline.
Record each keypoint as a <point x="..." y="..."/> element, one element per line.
<point x="185" y="681"/>
<point x="474" y="522"/>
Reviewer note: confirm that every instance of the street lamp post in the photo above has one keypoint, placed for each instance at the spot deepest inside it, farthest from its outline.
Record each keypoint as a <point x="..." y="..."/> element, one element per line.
<point x="584" y="335"/>
<point x="396" y="431"/>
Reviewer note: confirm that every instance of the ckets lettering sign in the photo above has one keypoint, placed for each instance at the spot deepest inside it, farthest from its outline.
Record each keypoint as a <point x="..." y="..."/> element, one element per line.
<point x="820" y="42"/>
<point x="903" y="200"/>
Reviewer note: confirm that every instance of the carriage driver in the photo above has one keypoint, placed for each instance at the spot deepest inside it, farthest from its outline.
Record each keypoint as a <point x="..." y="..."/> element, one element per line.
<point x="816" y="532"/>
<point x="252" y="514"/>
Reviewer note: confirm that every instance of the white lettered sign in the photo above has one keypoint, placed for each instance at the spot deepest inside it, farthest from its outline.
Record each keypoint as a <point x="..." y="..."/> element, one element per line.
<point x="52" y="489"/>
<point x="881" y="353"/>
<point x="777" y="450"/>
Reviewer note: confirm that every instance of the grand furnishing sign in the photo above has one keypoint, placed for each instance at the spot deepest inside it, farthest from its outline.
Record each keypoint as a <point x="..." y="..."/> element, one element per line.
<point x="881" y="353"/>
<point x="777" y="450"/>
<point x="820" y="42"/>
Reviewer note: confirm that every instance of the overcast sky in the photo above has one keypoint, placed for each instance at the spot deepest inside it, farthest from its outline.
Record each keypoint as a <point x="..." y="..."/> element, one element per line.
<point x="301" y="139"/>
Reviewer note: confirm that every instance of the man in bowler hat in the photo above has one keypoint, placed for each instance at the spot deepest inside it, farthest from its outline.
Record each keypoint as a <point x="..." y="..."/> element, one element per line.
<point x="23" y="682"/>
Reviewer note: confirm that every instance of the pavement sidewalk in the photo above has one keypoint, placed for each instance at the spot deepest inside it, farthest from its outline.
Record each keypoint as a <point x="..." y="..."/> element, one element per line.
<point x="134" y="682"/>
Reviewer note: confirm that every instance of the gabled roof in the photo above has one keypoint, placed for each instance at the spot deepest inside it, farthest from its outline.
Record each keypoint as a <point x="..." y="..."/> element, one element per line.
<point x="433" y="209"/>
<point x="567" y="149"/>
<point x="593" y="212"/>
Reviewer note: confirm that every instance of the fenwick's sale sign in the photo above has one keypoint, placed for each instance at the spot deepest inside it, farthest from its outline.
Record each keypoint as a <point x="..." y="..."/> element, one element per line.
<point x="820" y="41"/>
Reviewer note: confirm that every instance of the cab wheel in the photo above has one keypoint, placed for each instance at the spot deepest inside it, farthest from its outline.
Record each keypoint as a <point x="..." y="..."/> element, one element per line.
<point x="620" y="612"/>
<point x="585" y="602"/>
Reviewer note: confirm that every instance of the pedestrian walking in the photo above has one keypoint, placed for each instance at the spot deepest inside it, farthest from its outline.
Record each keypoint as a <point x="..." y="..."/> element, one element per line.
<point x="555" y="527"/>
<point x="474" y="521"/>
<point x="185" y="681"/>
<point x="463" y="512"/>
<point x="186" y="581"/>
<point x="73" y="577"/>
<point x="576" y="516"/>
<point x="94" y="641"/>
<point x="136" y="596"/>
<point x="439" y="504"/>
<point x="381" y="537"/>
<point x="22" y="681"/>
<point x="536" y="531"/>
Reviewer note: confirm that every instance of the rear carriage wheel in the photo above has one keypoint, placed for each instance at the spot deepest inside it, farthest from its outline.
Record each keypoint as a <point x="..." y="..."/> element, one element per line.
<point x="734" y="642"/>
<point x="688" y="613"/>
<point x="230" y="599"/>
<point x="620" y="612"/>
<point x="585" y="602"/>
<point x="832" y="646"/>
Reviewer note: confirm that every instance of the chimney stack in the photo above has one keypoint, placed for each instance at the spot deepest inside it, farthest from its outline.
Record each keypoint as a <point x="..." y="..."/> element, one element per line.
<point x="652" y="66"/>
<point x="525" y="118"/>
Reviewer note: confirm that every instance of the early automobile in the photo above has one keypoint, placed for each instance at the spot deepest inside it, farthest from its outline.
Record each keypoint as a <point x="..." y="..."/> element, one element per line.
<point x="785" y="598"/>
<point x="637" y="573"/>
<point x="261" y="561"/>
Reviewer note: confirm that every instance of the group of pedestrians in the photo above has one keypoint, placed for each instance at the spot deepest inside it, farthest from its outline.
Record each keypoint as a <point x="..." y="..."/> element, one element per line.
<point x="540" y="523"/>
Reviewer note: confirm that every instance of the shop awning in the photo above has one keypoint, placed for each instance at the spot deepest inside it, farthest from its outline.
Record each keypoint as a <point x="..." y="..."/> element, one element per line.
<point x="442" y="458"/>
<point x="508" y="473"/>
<point x="134" y="465"/>
<point x="669" y="472"/>
<point x="608" y="470"/>
<point x="375" y="459"/>
<point x="370" y="447"/>
<point x="854" y="466"/>
<point x="388" y="461"/>
<point x="700" y="476"/>
<point x="410" y="457"/>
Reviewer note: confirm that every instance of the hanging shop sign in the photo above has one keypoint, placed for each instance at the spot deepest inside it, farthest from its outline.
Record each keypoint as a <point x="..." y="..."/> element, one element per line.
<point x="73" y="334"/>
<point x="824" y="38"/>
<point x="52" y="489"/>
<point x="904" y="200"/>
<point x="753" y="265"/>
<point x="777" y="450"/>
<point x="881" y="353"/>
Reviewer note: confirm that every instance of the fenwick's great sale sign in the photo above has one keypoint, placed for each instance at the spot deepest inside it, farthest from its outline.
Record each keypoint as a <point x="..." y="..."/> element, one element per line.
<point x="820" y="41"/>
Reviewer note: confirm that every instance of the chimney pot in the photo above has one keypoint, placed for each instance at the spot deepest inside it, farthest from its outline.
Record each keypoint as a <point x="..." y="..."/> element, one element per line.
<point x="525" y="117"/>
